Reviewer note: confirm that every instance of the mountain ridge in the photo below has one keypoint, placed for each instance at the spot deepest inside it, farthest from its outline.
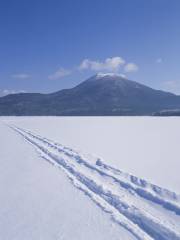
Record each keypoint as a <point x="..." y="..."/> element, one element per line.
<point x="102" y="94"/>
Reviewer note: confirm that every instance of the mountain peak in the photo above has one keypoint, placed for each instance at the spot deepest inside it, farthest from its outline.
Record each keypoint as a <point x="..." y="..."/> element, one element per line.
<point x="111" y="74"/>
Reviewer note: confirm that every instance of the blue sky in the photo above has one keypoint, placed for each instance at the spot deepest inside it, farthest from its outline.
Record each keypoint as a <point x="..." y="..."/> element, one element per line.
<point x="47" y="45"/>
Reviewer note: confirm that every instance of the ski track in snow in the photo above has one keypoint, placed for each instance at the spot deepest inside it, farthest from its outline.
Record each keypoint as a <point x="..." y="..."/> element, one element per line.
<point x="146" y="210"/>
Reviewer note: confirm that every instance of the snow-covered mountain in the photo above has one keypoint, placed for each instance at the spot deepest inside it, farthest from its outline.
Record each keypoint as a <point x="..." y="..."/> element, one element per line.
<point x="102" y="94"/>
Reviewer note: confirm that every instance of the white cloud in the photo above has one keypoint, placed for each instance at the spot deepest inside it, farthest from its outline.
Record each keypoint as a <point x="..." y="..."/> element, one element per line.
<point x="112" y="64"/>
<point x="159" y="60"/>
<point x="123" y="75"/>
<point x="5" y="92"/>
<point x="131" y="67"/>
<point x="20" y="76"/>
<point x="109" y="64"/>
<point x="59" y="74"/>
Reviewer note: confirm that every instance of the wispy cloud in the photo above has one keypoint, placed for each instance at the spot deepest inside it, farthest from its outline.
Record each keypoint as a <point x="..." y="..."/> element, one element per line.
<point x="109" y="64"/>
<point x="131" y="67"/>
<point x="20" y="76"/>
<point x="159" y="60"/>
<point x="60" y="73"/>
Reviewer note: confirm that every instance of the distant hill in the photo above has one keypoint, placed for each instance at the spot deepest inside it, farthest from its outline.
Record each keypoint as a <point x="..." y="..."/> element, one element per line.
<point x="102" y="94"/>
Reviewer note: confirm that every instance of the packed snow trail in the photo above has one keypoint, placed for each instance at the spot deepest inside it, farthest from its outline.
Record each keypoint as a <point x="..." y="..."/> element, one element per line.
<point x="146" y="210"/>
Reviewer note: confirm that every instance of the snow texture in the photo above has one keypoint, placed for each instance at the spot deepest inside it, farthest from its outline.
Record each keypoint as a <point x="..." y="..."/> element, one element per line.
<point x="147" y="147"/>
<point x="145" y="210"/>
<point x="38" y="202"/>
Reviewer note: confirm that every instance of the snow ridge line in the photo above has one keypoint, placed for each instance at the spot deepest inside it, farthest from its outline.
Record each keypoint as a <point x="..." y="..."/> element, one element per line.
<point x="165" y="198"/>
<point x="147" y="224"/>
<point x="142" y="183"/>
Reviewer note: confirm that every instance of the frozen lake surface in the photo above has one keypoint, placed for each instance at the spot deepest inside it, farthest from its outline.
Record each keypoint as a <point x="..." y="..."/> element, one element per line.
<point x="147" y="147"/>
<point x="68" y="182"/>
